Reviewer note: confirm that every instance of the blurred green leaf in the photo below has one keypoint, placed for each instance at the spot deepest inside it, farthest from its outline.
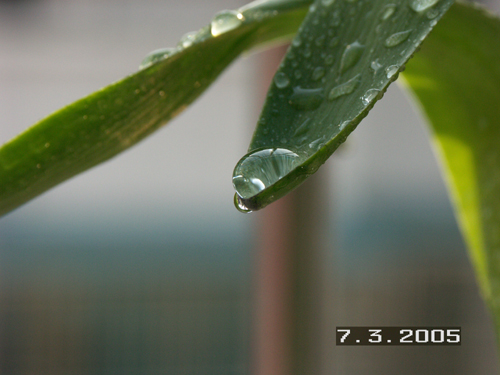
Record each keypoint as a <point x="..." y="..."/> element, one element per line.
<point x="342" y="60"/>
<point x="111" y="120"/>
<point x="456" y="78"/>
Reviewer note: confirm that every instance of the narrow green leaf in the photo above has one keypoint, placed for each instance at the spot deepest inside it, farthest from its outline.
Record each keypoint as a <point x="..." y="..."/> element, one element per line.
<point x="340" y="63"/>
<point x="456" y="78"/>
<point x="111" y="120"/>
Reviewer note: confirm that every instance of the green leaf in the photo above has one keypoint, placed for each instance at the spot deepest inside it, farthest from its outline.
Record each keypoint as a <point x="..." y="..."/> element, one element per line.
<point x="341" y="62"/>
<point x="111" y="120"/>
<point x="456" y="78"/>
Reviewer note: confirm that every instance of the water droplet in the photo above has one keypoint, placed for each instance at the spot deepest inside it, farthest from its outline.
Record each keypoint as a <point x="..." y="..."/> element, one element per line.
<point x="369" y="96"/>
<point x="320" y="40"/>
<point x="421" y="5"/>
<point x="297" y="74"/>
<point x="351" y="56"/>
<point x="375" y="65"/>
<point x="307" y="52"/>
<point x="296" y="42"/>
<point x="334" y="42"/>
<point x="281" y="80"/>
<point x="344" y="88"/>
<point x="335" y="19"/>
<point x="391" y="71"/>
<point x="261" y="169"/>
<point x="306" y="99"/>
<point x="302" y="129"/>
<point x="343" y="125"/>
<point x="432" y="13"/>
<point x="318" y="73"/>
<point x="156" y="56"/>
<point x="317" y="144"/>
<point x="327" y="3"/>
<point x="387" y="11"/>
<point x="240" y="206"/>
<point x="397" y="38"/>
<point x="312" y="8"/>
<point x="187" y="40"/>
<point x="225" y="21"/>
<point x="329" y="59"/>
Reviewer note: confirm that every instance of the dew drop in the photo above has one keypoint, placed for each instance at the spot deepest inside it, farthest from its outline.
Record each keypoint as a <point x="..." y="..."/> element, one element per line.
<point x="387" y="11"/>
<point x="397" y="38"/>
<point x="260" y="169"/>
<point x="296" y="42"/>
<point x="320" y="40"/>
<point x="240" y="206"/>
<point x="297" y="74"/>
<point x="335" y="19"/>
<point x="432" y="13"/>
<point x="156" y="56"/>
<point x="351" y="56"/>
<point x="318" y="73"/>
<point x="345" y="88"/>
<point x="187" y="40"/>
<point x="333" y="42"/>
<point x="317" y="144"/>
<point x="375" y="65"/>
<point x="281" y="80"/>
<point x="225" y="21"/>
<point x="329" y="59"/>
<point x="390" y="71"/>
<point x="327" y="3"/>
<point x="343" y="125"/>
<point x="369" y="96"/>
<point x="306" y="99"/>
<point x="421" y="5"/>
<point x="302" y="129"/>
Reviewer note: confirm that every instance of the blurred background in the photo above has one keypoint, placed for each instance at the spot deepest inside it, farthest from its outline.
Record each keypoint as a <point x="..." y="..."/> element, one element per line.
<point x="143" y="266"/>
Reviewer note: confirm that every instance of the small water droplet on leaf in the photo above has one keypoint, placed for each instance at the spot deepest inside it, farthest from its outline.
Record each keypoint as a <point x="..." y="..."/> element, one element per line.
<point x="225" y="21"/>
<point x="281" y="80"/>
<point x="306" y="99"/>
<point x="351" y="56"/>
<point x="397" y="38"/>
<point x="344" y="88"/>
<point x="421" y="5"/>
<point x="369" y="96"/>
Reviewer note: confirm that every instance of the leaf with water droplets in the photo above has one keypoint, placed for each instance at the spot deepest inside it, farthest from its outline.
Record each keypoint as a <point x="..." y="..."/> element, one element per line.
<point x="109" y="121"/>
<point x="456" y="78"/>
<point x="333" y="82"/>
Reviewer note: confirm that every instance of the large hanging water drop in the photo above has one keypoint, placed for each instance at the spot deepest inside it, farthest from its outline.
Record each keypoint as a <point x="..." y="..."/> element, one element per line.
<point x="261" y="169"/>
<point x="156" y="56"/>
<point x="421" y="5"/>
<point x="225" y="21"/>
<point x="351" y="56"/>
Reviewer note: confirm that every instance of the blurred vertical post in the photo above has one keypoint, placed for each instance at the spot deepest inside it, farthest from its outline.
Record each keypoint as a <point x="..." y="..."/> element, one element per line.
<point x="291" y="321"/>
